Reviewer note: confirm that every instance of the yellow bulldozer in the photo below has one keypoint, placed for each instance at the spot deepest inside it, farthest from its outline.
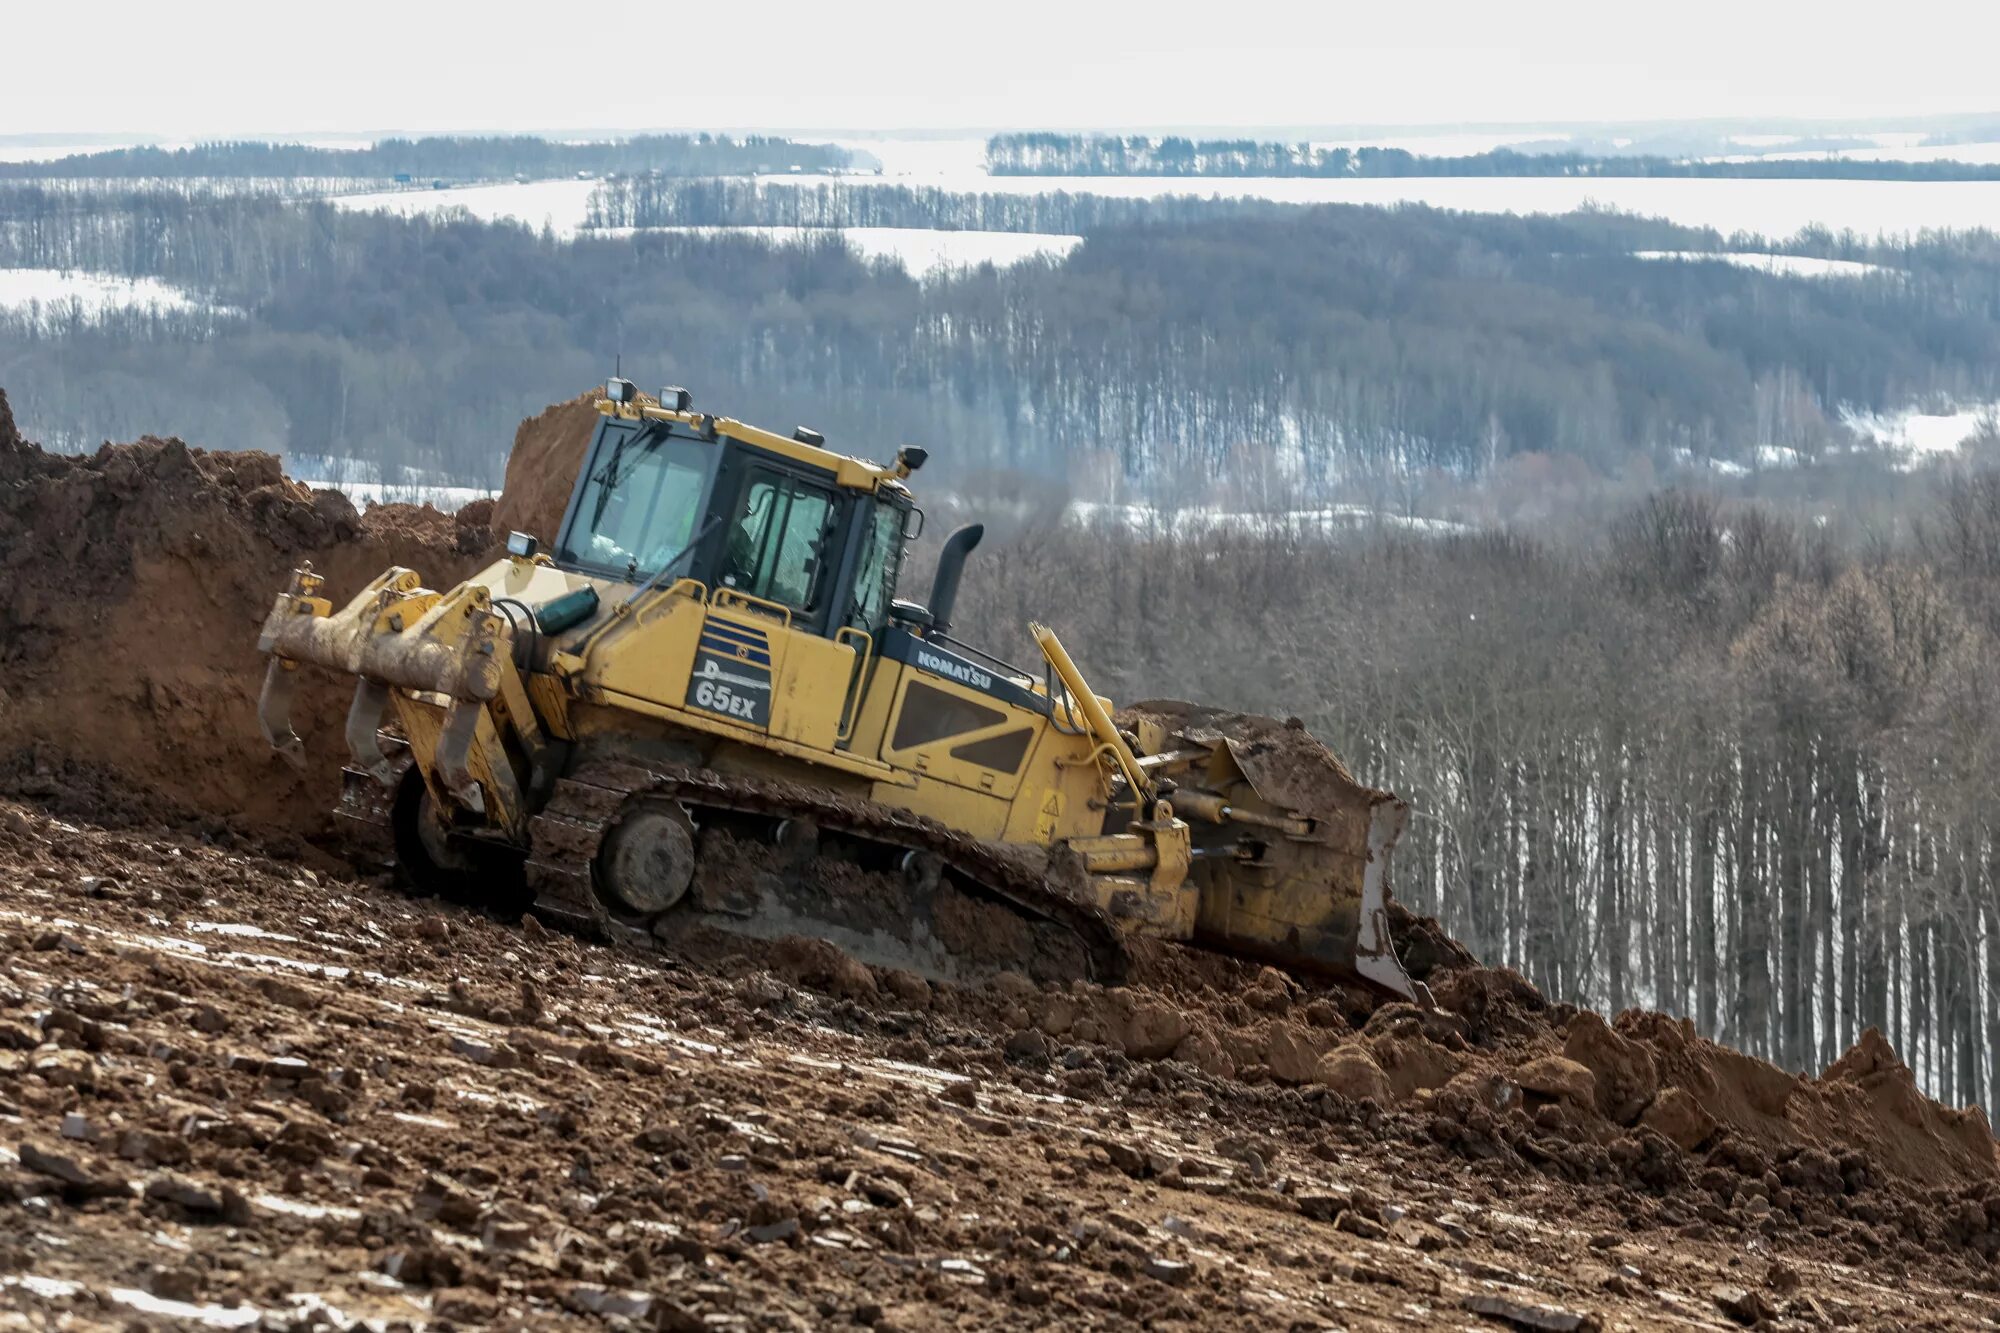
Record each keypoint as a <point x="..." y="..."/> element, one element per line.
<point x="706" y="705"/>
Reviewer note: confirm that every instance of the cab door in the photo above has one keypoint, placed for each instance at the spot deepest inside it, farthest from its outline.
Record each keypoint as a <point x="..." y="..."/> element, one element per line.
<point x="761" y="661"/>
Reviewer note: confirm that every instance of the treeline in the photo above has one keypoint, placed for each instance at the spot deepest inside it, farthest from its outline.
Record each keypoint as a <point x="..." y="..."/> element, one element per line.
<point x="1045" y="154"/>
<point x="651" y="202"/>
<point x="1699" y="757"/>
<point x="1320" y="349"/>
<point x="457" y="157"/>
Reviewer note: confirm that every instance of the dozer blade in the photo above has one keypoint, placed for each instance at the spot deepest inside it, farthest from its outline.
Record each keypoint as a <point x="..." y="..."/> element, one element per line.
<point x="1292" y="853"/>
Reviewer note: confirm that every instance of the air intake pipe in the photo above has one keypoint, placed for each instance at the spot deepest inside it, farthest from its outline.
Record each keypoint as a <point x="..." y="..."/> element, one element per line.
<point x="951" y="564"/>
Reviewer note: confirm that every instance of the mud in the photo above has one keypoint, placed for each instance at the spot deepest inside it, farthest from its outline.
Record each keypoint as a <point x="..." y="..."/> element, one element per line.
<point x="233" y="1090"/>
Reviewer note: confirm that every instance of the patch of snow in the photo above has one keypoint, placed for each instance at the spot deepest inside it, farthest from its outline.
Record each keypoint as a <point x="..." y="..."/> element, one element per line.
<point x="48" y="1288"/>
<point x="239" y="929"/>
<point x="209" y="1315"/>
<point x="922" y="157"/>
<point x="278" y="1203"/>
<point x="1802" y="266"/>
<point x="427" y="1121"/>
<point x="448" y="498"/>
<point x="1978" y="154"/>
<point x="1195" y="520"/>
<point x="93" y="295"/>
<point x="1920" y="434"/>
<point x="1725" y="467"/>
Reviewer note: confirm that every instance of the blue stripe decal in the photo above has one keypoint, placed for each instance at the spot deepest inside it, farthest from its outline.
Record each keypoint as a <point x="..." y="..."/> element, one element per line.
<point x="756" y="638"/>
<point x="736" y="652"/>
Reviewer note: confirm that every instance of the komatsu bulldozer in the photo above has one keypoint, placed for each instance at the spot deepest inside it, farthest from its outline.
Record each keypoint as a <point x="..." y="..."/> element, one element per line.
<point x="706" y="704"/>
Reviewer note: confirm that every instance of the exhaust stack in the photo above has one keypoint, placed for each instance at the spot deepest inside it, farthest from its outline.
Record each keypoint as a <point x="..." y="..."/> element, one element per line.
<point x="951" y="565"/>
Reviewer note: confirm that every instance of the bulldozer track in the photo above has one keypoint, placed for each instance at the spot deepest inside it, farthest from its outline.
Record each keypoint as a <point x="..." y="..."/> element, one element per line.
<point x="571" y="827"/>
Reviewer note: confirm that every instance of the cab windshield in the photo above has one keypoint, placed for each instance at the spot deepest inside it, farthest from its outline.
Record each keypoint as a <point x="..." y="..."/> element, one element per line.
<point x="640" y="502"/>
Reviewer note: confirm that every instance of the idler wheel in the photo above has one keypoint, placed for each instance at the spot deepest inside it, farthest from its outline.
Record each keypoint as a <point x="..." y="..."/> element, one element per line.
<point x="647" y="861"/>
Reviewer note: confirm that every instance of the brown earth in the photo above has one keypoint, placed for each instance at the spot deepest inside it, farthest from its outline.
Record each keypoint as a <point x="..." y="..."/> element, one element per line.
<point x="132" y="585"/>
<point x="232" y="1088"/>
<point x="541" y="470"/>
<point x="494" y="1125"/>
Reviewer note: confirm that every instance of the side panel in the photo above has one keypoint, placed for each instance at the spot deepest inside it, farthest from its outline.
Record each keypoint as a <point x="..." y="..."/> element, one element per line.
<point x="885" y="680"/>
<point x="811" y="690"/>
<point x="960" y="735"/>
<point x="650" y="659"/>
<point x="976" y="813"/>
<point x="1062" y="792"/>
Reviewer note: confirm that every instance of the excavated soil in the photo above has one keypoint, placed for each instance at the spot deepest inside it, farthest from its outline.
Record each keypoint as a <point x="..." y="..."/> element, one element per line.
<point x="236" y="1088"/>
<point x="541" y="470"/>
<point x="132" y="585"/>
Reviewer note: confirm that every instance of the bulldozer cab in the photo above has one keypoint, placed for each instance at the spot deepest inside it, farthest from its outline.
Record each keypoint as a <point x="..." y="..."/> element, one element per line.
<point x="781" y="526"/>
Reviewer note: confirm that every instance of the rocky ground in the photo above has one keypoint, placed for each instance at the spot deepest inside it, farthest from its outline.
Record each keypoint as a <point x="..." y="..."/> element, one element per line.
<point x="237" y="1091"/>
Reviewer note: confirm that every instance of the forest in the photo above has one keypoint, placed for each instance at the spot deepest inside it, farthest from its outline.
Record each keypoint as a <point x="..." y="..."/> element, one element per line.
<point x="1697" y="755"/>
<point x="1043" y="154"/>
<point x="460" y="157"/>
<point x="1343" y="349"/>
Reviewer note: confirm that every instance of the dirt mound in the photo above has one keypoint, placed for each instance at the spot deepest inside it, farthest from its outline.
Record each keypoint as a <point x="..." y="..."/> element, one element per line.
<point x="132" y="584"/>
<point x="541" y="471"/>
<point x="1869" y="1099"/>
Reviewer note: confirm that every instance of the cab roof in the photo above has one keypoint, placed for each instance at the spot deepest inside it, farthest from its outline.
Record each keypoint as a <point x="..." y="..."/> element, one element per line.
<point x="856" y="473"/>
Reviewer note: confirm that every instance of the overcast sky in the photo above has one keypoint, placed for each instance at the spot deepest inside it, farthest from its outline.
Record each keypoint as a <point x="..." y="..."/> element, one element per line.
<point x="209" y="68"/>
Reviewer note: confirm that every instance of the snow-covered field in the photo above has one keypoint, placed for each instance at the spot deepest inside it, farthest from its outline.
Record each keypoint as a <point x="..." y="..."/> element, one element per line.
<point x="356" y="477"/>
<point x="1942" y="152"/>
<point x="560" y="204"/>
<point x="1802" y="266"/>
<point x="563" y="205"/>
<point x="1777" y="208"/>
<point x="93" y="295"/>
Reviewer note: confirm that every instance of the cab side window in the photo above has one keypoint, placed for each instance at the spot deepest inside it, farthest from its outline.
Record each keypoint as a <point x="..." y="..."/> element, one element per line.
<point x="776" y="544"/>
<point x="875" y="571"/>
